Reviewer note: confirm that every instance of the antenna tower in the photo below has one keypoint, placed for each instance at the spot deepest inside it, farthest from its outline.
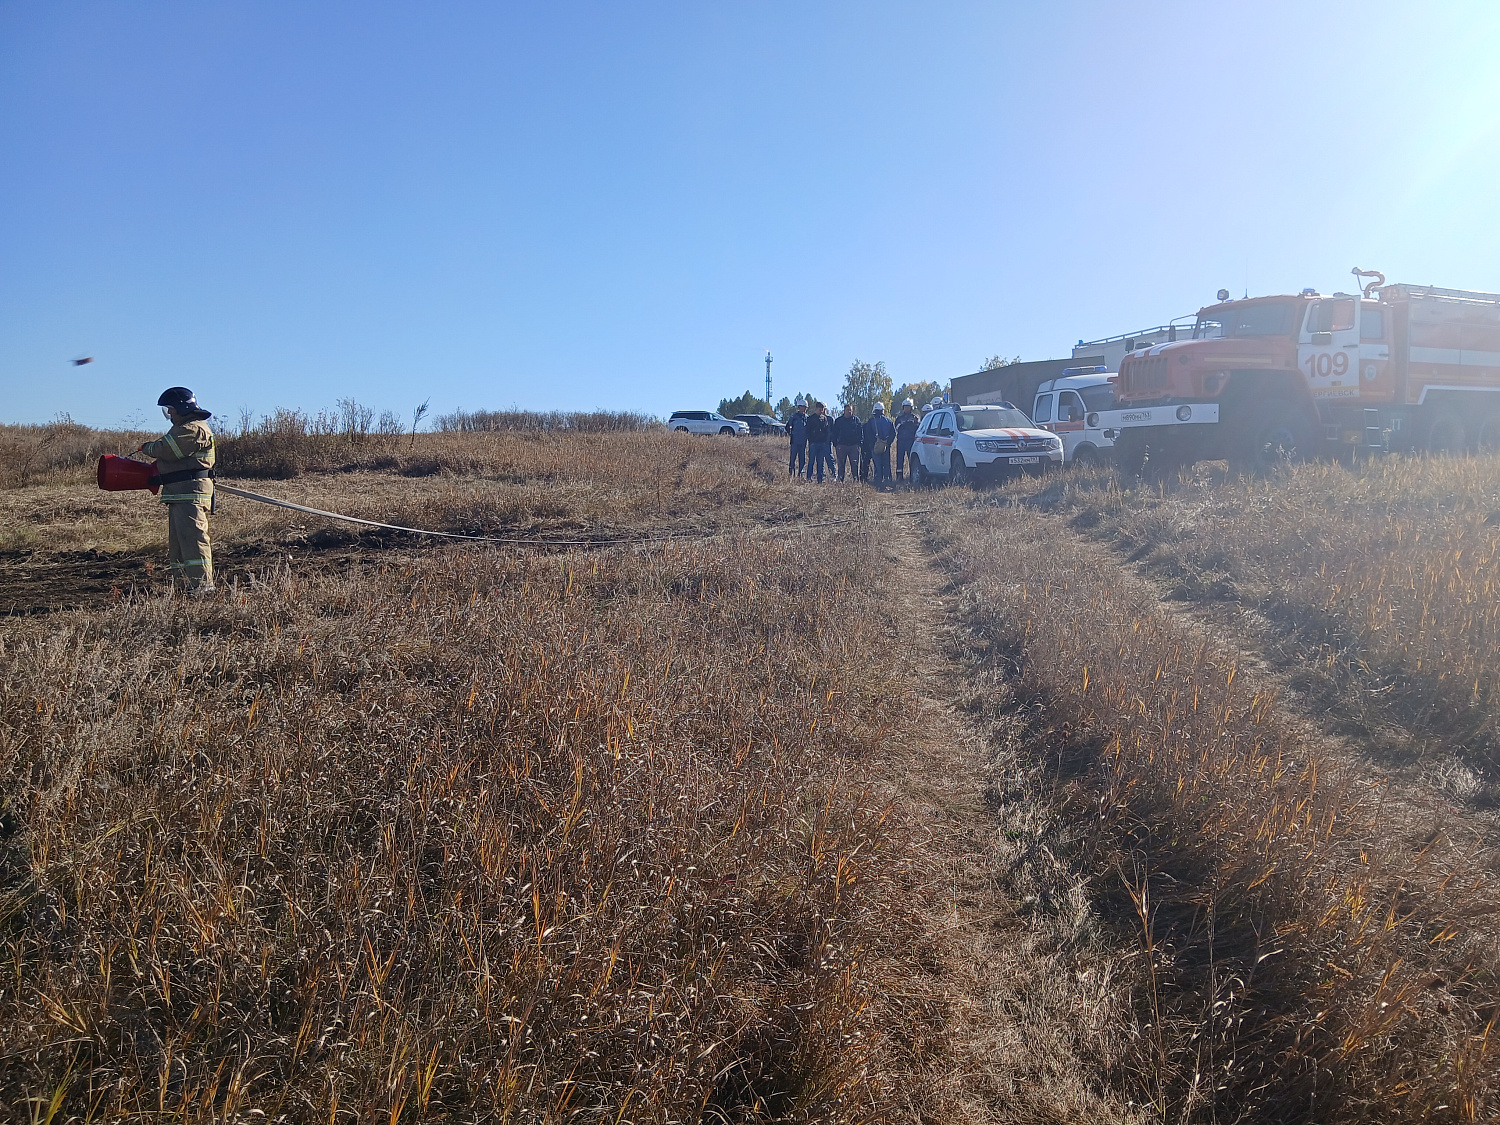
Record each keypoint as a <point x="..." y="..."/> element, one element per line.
<point x="769" y="403"/>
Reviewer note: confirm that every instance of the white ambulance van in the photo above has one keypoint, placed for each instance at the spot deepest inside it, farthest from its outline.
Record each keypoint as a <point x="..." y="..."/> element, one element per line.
<point x="1071" y="406"/>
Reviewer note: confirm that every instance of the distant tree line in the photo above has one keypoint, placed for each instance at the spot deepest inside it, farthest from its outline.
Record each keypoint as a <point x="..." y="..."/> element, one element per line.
<point x="545" y="421"/>
<point x="864" y="385"/>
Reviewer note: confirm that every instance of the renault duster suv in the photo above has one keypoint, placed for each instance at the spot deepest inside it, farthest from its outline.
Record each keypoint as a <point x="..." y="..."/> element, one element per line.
<point x="959" y="443"/>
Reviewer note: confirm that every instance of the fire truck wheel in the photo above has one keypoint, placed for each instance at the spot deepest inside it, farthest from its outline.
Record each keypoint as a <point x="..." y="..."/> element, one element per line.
<point x="1277" y="434"/>
<point x="1489" y="434"/>
<point x="1445" y="434"/>
<point x="958" y="472"/>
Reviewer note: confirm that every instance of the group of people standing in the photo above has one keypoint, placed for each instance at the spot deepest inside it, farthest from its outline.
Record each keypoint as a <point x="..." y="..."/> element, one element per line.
<point x="847" y="446"/>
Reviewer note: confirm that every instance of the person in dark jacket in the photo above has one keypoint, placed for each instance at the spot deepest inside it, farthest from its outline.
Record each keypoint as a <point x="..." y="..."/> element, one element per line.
<point x="819" y="441"/>
<point x="796" y="428"/>
<point x="866" y="448"/>
<point x="880" y="431"/>
<point x="848" y="434"/>
<point x="823" y="406"/>
<point x="906" y="435"/>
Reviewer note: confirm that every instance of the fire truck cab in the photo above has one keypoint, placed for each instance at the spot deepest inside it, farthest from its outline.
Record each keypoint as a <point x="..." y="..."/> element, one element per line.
<point x="1269" y="379"/>
<point x="1074" y="406"/>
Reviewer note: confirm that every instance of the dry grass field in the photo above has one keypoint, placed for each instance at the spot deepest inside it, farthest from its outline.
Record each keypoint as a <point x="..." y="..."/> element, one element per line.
<point x="475" y="832"/>
<point x="765" y="802"/>
<point x="1313" y="942"/>
<point x="60" y="535"/>
<point x="1377" y="588"/>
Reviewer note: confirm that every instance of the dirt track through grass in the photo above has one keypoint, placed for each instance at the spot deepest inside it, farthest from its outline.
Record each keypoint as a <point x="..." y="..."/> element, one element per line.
<point x="1035" y="1031"/>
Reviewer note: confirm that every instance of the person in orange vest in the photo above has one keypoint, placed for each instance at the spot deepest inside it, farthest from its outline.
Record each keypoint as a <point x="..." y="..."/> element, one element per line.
<point x="185" y="470"/>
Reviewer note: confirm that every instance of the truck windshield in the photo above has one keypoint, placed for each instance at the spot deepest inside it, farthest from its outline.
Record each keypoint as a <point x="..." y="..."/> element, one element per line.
<point x="991" y="418"/>
<point x="1245" y="320"/>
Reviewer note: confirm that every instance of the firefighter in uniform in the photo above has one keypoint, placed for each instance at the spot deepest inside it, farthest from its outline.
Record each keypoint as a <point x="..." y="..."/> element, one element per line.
<point x="185" y="469"/>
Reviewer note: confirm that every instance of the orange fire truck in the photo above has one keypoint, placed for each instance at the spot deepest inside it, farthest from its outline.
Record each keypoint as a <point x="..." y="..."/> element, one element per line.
<point x="1266" y="379"/>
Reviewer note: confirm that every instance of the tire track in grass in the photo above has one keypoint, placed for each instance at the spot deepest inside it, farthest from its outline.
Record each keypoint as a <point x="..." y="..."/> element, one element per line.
<point x="1036" y="1027"/>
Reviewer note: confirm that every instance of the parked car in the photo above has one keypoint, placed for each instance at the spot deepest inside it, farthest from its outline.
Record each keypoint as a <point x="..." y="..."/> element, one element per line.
<point x="959" y="443"/>
<point x="1070" y="406"/>
<point x="706" y="422"/>
<point x="762" y="424"/>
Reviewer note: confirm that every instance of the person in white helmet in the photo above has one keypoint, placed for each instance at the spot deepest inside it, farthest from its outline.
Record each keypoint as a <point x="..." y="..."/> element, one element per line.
<point x="906" y="435"/>
<point x="879" y="433"/>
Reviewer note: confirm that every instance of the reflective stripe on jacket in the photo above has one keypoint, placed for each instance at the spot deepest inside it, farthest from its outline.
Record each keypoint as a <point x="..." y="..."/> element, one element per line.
<point x="186" y="448"/>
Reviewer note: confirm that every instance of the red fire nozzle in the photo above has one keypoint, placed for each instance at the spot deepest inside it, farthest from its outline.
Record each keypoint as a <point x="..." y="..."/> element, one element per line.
<point x="122" y="474"/>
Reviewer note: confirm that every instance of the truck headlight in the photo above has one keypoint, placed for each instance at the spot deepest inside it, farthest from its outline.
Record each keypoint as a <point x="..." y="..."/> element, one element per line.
<point x="1184" y="413"/>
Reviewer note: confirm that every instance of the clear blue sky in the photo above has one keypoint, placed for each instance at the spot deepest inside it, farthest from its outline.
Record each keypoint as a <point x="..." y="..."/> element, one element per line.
<point x="625" y="204"/>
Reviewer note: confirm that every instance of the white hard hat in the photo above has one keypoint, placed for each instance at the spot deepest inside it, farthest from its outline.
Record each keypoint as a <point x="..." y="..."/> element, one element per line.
<point x="908" y="402"/>
<point x="879" y="408"/>
<point x="800" y="401"/>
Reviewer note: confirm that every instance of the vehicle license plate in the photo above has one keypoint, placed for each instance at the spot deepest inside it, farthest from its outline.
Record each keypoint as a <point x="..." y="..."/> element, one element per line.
<point x="1025" y="460"/>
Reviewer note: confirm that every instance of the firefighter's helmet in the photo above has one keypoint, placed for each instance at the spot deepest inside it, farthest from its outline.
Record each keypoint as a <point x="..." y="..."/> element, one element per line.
<point x="908" y="402"/>
<point x="879" y="408"/>
<point x="183" y="402"/>
<point x="178" y="397"/>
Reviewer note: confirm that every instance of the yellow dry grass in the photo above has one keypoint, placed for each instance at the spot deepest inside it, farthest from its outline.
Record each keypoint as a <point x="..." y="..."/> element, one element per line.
<point x="1311" y="933"/>
<point x="1376" y="586"/>
<point x="592" y="485"/>
<point x="479" y="834"/>
<point x="624" y="834"/>
<point x="1309" y="948"/>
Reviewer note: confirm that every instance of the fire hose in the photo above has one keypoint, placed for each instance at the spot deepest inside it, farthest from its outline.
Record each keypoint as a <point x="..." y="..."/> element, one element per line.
<point x="118" y="474"/>
<point x="258" y="498"/>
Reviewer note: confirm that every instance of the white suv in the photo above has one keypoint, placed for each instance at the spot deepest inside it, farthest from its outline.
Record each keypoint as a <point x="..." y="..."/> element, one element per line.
<point x="955" y="443"/>
<point x="706" y="422"/>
